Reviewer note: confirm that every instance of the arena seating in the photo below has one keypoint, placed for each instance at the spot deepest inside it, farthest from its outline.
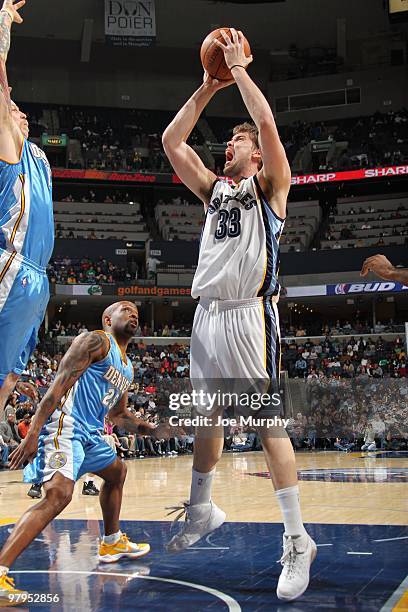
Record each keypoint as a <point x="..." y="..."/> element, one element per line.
<point x="99" y="220"/>
<point x="185" y="223"/>
<point x="368" y="222"/>
<point x="179" y="222"/>
<point x="303" y="221"/>
<point x="104" y="139"/>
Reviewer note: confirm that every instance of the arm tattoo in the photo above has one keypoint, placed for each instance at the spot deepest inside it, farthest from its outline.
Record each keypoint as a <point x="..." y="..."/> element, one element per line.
<point x="5" y="25"/>
<point x="81" y="356"/>
<point x="82" y="353"/>
<point x="5" y="38"/>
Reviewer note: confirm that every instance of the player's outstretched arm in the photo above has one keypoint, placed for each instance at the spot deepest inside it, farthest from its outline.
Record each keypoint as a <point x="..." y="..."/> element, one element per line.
<point x="185" y="161"/>
<point x="275" y="175"/>
<point x="86" y="349"/>
<point x="120" y="415"/>
<point x="382" y="266"/>
<point x="8" y="15"/>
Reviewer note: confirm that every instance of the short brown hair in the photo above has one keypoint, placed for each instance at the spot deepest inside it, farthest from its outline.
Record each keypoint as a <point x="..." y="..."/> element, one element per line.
<point x="252" y="130"/>
<point x="249" y="128"/>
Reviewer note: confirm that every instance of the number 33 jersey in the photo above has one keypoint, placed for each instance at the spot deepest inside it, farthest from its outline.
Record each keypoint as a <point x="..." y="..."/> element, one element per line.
<point x="239" y="247"/>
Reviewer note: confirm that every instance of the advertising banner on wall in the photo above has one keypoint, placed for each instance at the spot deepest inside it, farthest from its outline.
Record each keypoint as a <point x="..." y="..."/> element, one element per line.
<point x="344" y="289"/>
<point x="130" y="23"/>
<point x="165" y="179"/>
<point x="134" y="291"/>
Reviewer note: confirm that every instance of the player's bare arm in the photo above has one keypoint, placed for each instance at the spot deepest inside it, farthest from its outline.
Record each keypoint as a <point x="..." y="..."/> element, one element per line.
<point x="10" y="138"/>
<point x="121" y="415"/>
<point x="85" y="350"/>
<point x="185" y="161"/>
<point x="275" y="176"/>
<point x="382" y="266"/>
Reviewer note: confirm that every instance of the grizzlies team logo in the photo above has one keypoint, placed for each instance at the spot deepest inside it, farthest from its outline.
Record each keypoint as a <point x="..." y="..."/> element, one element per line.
<point x="57" y="460"/>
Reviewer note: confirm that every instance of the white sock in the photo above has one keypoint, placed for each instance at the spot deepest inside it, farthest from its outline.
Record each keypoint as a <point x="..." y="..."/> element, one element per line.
<point x="4" y="570"/>
<point x="201" y="487"/>
<point x="290" y="507"/>
<point x="113" y="538"/>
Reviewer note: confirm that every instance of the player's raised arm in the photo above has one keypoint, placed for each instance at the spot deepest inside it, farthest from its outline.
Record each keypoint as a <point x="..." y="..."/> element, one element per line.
<point x="8" y="15"/>
<point x="185" y="161"/>
<point x="275" y="176"/>
<point x="86" y="349"/>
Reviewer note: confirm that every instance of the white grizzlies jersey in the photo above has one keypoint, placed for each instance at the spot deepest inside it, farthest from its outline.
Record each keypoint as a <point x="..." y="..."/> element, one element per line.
<point x="239" y="247"/>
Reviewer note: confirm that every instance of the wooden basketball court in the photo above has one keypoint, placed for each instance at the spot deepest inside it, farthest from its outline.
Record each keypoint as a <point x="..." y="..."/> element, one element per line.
<point x="355" y="504"/>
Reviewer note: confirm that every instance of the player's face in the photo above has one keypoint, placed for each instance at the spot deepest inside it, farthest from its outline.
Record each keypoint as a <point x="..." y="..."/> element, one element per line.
<point x="125" y="319"/>
<point x="20" y="119"/>
<point x="239" y="152"/>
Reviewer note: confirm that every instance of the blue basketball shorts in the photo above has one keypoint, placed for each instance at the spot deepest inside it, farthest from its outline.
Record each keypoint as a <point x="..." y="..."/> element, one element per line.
<point x="69" y="449"/>
<point x="24" y="295"/>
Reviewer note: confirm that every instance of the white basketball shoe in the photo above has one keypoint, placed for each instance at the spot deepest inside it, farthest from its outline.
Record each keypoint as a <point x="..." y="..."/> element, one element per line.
<point x="200" y="520"/>
<point x="299" y="552"/>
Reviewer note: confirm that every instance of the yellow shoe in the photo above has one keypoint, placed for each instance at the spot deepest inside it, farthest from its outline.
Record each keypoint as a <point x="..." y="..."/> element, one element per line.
<point x="9" y="595"/>
<point x="110" y="553"/>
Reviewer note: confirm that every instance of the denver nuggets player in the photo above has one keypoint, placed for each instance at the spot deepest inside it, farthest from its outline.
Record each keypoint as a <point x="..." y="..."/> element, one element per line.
<point x="26" y="227"/>
<point x="65" y="438"/>
<point x="236" y="327"/>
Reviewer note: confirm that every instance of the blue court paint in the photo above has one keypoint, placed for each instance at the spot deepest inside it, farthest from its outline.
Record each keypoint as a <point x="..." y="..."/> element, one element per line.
<point x="237" y="564"/>
<point x="366" y="474"/>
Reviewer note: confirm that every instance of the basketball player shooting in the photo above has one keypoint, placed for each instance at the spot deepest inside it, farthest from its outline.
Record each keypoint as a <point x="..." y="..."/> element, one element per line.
<point x="236" y="327"/>
<point x="65" y="438"/>
<point x="27" y="229"/>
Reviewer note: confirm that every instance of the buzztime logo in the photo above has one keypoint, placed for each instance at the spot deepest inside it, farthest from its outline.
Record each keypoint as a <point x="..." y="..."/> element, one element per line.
<point x="345" y="288"/>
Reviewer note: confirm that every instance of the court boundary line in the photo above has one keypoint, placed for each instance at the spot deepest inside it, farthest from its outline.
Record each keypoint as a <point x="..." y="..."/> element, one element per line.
<point x="396" y="596"/>
<point x="230" y="602"/>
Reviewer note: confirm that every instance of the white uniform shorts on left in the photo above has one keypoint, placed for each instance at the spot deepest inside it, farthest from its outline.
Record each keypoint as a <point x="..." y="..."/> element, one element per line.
<point x="237" y="343"/>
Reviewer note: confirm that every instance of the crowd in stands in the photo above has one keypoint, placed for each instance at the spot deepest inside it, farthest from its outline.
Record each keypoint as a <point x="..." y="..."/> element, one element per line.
<point x="357" y="325"/>
<point x="376" y="222"/>
<point x="312" y="328"/>
<point x="364" y="413"/>
<point x="341" y="376"/>
<point x="71" y="271"/>
<point x="376" y="140"/>
<point x="129" y="140"/>
<point x="89" y="195"/>
<point x="354" y="357"/>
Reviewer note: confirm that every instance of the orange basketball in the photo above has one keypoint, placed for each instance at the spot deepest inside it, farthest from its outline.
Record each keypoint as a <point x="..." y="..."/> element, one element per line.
<point x="212" y="56"/>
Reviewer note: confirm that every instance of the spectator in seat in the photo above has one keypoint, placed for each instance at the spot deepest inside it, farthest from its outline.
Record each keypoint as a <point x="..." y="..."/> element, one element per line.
<point x="301" y="367"/>
<point x="9" y="432"/>
<point x="24" y="425"/>
<point x="369" y="439"/>
<point x="4" y="453"/>
<point x="11" y="405"/>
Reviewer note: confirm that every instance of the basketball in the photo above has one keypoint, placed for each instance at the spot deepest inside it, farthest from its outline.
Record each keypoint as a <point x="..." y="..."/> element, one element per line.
<point x="212" y="56"/>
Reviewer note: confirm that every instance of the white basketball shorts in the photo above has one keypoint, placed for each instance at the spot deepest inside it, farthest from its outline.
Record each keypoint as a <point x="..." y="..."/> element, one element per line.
<point x="235" y="339"/>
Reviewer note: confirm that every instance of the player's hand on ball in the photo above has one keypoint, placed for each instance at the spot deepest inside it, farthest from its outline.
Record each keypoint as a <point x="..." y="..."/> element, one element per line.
<point x="12" y="8"/>
<point x="215" y="84"/>
<point x="234" y="52"/>
<point x="25" y="451"/>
